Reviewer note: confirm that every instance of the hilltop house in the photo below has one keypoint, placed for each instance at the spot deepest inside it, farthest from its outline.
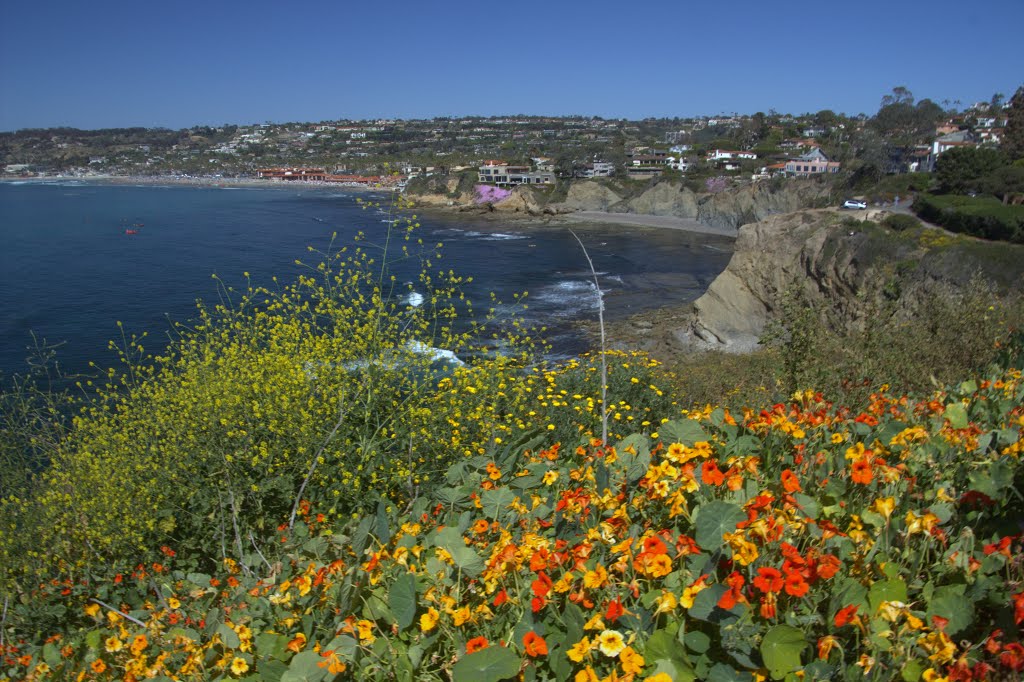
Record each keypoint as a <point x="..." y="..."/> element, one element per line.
<point x="503" y="173"/>
<point x="722" y="154"/>
<point x="812" y="163"/>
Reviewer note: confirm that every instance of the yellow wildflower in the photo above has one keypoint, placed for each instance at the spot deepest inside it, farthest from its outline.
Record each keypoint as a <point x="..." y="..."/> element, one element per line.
<point x="239" y="666"/>
<point x="428" y="621"/>
<point x="611" y="643"/>
<point x="580" y="650"/>
<point x="632" y="662"/>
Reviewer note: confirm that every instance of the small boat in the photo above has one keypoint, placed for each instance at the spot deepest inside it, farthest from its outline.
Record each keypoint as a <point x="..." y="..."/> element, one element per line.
<point x="139" y="225"/>
<point x="131" y="231"/>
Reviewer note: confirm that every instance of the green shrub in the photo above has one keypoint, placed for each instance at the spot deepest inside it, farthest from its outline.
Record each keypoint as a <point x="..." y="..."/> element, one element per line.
<point x="984" y="217"/>
<point x="899" y="222"/>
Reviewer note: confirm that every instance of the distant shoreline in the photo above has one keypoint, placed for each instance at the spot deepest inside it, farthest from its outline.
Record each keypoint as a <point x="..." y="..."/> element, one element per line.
<point x="192" y="182"/>
<point x="591" y="218"/>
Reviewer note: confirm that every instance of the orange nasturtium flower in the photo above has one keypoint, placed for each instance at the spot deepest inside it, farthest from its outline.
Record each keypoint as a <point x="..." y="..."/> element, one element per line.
<point x="710" y="473"/>
<point x="795" y="585"/>
<point x="476" y="644"/>
<point x="768" y="580"/>
<point x="861" y="471"/>
<point x="845" y="615"/>
<point x="534" y="645"/>
<point x="790" y="483"/>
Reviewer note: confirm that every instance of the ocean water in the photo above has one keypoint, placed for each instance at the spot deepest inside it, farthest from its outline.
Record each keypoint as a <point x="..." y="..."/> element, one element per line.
<point x="69" y="272"/>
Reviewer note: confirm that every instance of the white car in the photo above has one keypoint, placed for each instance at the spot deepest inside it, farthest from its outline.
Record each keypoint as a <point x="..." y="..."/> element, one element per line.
<point x="855" y="203"/>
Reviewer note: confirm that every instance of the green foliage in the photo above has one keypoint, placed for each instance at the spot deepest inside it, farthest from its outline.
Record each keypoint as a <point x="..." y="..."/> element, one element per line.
<point x="983" y="217"/>
<point x="961" y="169"/>
<point x="899" y="222"/>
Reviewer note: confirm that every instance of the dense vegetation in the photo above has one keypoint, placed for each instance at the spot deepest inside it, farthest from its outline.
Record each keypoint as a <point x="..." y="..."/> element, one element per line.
<point x="304" y="488"/>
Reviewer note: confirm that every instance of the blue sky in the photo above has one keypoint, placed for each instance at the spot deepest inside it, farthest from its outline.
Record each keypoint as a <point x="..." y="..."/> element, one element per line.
<point x="178" y="64"/>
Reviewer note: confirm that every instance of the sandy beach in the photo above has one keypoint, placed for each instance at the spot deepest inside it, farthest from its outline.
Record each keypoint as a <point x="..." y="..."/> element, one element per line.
<point x="640" y="220"/>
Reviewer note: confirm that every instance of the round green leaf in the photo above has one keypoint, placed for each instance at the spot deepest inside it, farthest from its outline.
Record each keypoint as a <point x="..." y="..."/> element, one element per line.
<point x="402" y="600"/>
<point x="487" y="665"/>
<point x="715" y="519"/>
<point x="781" y="649"/>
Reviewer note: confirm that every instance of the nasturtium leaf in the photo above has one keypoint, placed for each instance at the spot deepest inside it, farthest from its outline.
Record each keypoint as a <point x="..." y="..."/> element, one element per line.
<point x="697" y="642"/>
<point x="713" y="520"/>
<point x="886" y="590"/>
<point x="305" y="666"/>
<point x="949" y="602"/>
<point x="685" y="431"/>
<point x="345" y="646"/>
<point x="725" y="673"/>
<point x="487" y="665"/>
<point x="228" y="637"/>
<point x="467" y="560"/>
<point x="781" y="649"/>
<point x="634" y="456"/>
<point x="452" y="496"/>
<point x="808" y="504"/>
<point x="92" y="640"/>
<point x="957" y="416"/>
<point x="664" y="653"/>
<point x="402" y="600"/>
<point x="913" y="670"/>
<point x="382" y="526"/>
<point x="272" y="645"/>
<point x="495" y="502"/>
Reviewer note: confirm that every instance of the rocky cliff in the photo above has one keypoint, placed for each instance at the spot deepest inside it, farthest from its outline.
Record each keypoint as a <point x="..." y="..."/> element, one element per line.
<point x="845" y="264"/>
<point x="729" y="208"/>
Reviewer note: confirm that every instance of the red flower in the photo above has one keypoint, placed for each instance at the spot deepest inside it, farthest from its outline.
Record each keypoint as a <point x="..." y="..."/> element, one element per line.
<point x="768" y="580"/>
<point x="710" y="474"/>
<point x="1013" y="657"/>
<point x="768" y="611"/>
<point x="542" y="585"/>
<point x="614" y="610"/>
<point x="861" y="472"/>
<point x="845" y="615"/>
<point x="790" y="483"/>
<point x="476" y="644"/>
<point x="534" y="645"/>
<point x="827" y="566"/>
<point x="1018" y="607"/>
<point x="654" y="545"/>
<point x="795" y="585"/>
<point x="734" y="594"/>
<point x="500" y="598"/>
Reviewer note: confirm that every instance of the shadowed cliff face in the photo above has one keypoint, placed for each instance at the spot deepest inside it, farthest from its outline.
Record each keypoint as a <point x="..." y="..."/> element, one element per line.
<point x="852" y="268"/>
<point x="729" y="208"/>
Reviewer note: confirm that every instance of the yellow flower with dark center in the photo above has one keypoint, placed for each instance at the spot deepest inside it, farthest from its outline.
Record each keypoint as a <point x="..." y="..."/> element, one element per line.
<point x="113" y="644"/>
<point x="365" y="628"/>
<point x="428" y="621"/>
<point x="239" y="666"/>
<point x="611" y="643"/>
<point x="632" y="662"/>
<point x="580" y="650"/>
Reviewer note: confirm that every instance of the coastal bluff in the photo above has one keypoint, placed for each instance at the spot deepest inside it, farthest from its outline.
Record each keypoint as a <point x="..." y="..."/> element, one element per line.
<point x="727" y="209"/>
<point x="850" y="266"/>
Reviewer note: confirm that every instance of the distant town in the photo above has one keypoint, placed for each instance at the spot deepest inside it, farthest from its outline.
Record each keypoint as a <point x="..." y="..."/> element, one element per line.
<point x="904" y="136"/>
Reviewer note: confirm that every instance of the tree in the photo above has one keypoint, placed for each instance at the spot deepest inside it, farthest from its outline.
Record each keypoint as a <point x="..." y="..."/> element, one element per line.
<point x="1006" y="183"/>
<point x="1013" y="135"/>
<point x="961" y="169"/>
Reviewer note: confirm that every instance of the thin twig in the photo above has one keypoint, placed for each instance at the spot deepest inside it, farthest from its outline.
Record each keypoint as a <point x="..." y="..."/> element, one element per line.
<point x="256" y="547"/>
<point x="604" y="359"/>
<point x="3" y="621"/>
<point x="312" y="468"/>
<point x="120" y="613"/>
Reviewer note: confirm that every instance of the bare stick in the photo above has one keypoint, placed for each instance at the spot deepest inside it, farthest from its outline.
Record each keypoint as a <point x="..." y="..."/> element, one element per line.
<point x="312" y="468"/>
<point x="604" y="360"/>
<point x="3" y="620"/>
<point x="120" y="613"/>
<point x="254" y="546"/>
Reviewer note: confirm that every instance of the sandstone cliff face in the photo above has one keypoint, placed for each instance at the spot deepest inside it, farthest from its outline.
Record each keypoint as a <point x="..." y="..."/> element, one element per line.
<point x="830" y="262"/>
<point x="730" y="208"/>
<point x="587" y="195"/>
